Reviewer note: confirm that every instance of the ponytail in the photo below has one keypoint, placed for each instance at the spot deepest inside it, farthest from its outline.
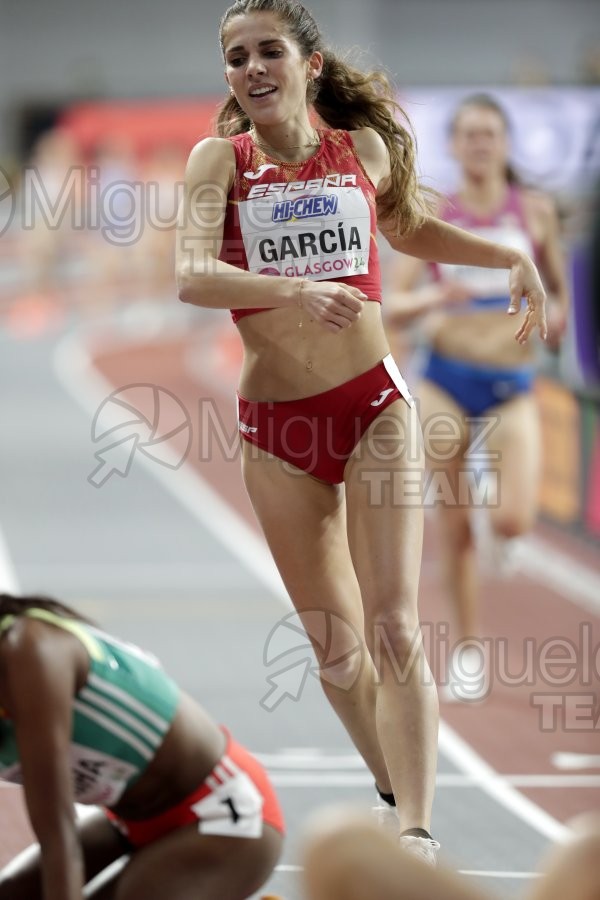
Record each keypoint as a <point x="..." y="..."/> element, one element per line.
<point x="351" y="99"/>
<point x="231" y="119"/>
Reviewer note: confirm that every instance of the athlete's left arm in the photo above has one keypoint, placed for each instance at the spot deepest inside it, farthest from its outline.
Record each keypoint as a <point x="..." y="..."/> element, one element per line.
<point x="542" y="218"/>
<point x="437" y="241"/>
<point x="440" y="242"/>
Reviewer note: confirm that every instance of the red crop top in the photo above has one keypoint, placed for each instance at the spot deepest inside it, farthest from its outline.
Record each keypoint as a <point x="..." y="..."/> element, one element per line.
<point x="314" y="219"/>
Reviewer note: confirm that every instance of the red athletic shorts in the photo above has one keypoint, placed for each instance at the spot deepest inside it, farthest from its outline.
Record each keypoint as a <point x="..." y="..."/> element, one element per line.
<point x="319" y="433"/>
<point x="233" y="801"/>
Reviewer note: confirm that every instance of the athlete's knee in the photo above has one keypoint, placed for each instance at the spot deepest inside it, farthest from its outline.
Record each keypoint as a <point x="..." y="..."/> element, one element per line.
<point x="342" y="670"/>
<point x="394" y="639"/>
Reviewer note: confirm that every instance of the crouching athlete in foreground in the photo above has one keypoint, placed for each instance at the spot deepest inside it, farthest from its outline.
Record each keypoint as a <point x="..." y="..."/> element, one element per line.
<point x="87" y="718"/>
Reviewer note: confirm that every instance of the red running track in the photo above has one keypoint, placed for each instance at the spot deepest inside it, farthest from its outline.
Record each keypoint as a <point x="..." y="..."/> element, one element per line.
<point x="507" y="728"/>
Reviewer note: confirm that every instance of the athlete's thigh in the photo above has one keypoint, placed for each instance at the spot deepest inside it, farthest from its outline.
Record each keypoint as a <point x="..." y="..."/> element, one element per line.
<point x="447" y="440"/>
<point x="445" y="427"/>
<point x="514" y="448"/>
<point x="185" y="865"/>
<point x="384" y="493"/>
<point x="304" y="522"/>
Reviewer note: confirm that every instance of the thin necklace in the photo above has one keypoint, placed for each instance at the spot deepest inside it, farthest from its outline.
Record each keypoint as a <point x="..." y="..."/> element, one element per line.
<point x="314" y="143"/>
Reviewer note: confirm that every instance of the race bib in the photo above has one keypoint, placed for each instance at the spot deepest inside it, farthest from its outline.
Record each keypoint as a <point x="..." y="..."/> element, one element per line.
<point x="97" y="777"/>
<point x="316" y="234"/>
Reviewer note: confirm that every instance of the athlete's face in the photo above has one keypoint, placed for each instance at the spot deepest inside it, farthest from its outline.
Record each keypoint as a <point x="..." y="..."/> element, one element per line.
<point x="479" y="142"/>
<point x="265" y="68"/>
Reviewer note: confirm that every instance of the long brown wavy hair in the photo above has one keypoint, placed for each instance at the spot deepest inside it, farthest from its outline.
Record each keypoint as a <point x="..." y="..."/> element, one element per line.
<point x="344" y="97"/>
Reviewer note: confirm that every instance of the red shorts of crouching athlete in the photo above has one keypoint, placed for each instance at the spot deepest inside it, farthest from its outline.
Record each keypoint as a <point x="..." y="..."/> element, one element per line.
<point x="233" y="801"/>
<point x="319" y="433"/>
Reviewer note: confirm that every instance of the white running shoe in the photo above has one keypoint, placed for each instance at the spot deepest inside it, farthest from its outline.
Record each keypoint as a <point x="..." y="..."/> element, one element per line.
<point x="421" y="848"/>
<point x="386" y="817"/>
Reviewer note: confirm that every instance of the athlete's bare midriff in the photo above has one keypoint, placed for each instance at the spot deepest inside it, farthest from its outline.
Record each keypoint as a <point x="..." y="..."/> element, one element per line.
<point x="189" y="752"/>
<point x="483" y="337"/>
<point x="286" y="360"/>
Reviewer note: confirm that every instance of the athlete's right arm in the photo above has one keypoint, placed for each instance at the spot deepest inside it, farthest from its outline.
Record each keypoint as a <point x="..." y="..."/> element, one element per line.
<point x="204" y="280"/>
<point x="40" y="675"/>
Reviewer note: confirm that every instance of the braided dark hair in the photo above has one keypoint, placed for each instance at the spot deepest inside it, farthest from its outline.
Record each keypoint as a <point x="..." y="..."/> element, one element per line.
<point x="11" y="605"/>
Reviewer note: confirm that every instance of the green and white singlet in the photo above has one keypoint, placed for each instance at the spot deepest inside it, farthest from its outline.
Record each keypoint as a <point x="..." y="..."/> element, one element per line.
<point x="120" y="715"/>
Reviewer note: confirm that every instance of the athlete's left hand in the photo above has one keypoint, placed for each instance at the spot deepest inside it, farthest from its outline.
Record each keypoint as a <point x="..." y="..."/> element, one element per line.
<point x="524" y="281"/>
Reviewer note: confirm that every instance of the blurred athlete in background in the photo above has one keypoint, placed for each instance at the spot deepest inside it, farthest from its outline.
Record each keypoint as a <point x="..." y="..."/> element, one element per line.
<point x="475" y="369"/>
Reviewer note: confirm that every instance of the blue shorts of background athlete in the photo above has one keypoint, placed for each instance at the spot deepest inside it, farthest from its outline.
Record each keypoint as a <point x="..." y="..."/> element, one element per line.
<point x="477" y="388"/>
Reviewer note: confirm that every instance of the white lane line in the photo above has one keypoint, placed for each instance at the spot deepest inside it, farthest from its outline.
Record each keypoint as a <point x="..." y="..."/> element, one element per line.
<point x="320" y="761"/>
<point x="554" y="781"/>
<point x="353" y="767"/>
<point x="74" y="369"/>
<point x="468" y="761"/>
<point x="477" y="873"/>
<point x="575" y="760"/>
<point x="365" y="779"/>
<point x="302" y="779"/>
<point x="9" y="583"/>
<point x="321" y="779"/>
<point x="105" y="877"/>
<point x="483" y="873"/>
<point x="314" y="759"/>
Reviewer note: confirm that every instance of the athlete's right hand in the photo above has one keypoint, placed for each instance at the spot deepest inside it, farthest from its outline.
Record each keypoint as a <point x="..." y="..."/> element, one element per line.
<point x="333" y="305"/>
